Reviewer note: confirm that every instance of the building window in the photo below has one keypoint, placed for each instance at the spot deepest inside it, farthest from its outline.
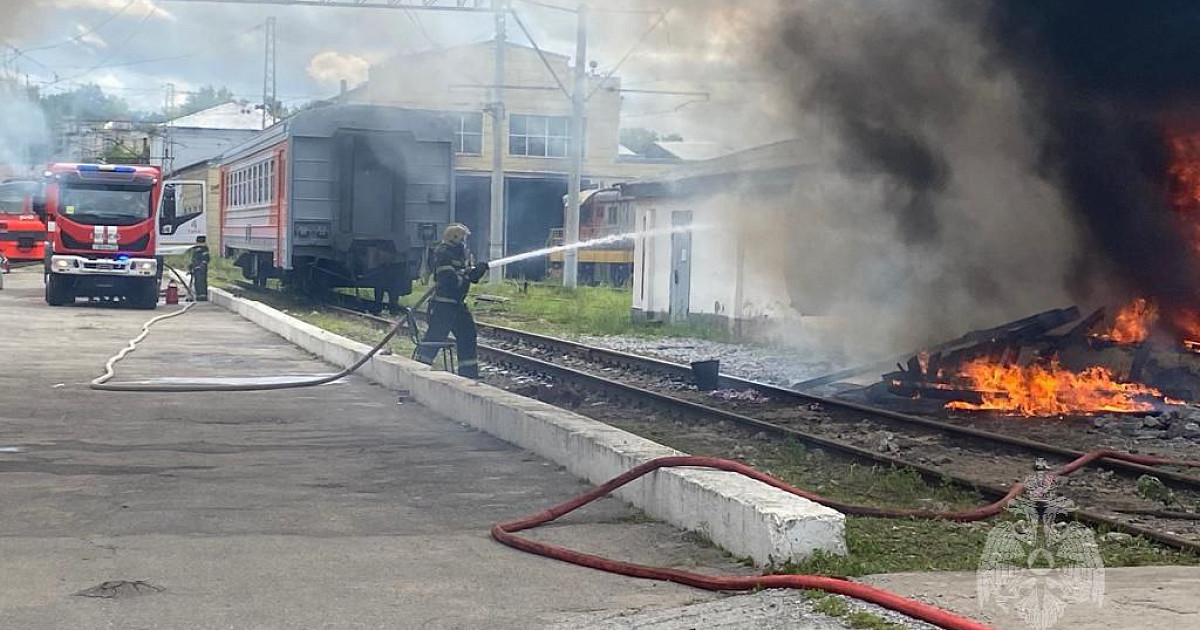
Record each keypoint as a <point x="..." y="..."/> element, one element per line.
<point x="468" y="137"/>
<point x="538" y="136"/>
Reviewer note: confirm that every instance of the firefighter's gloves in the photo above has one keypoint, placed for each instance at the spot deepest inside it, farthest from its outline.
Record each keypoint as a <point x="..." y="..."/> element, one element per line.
<point x="475" y="274"/>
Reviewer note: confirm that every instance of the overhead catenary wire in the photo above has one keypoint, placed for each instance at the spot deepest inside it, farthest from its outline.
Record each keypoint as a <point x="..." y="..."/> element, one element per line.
<point x="661" y="18"/>
<point x="540" y="53"/>
<point x="137" y="29"/>
<point x="79" y="37"/>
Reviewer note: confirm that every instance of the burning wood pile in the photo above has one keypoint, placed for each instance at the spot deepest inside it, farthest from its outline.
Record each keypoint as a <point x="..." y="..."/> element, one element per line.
<point x="1054" y="364"/>
<point x="1143" y="358"/>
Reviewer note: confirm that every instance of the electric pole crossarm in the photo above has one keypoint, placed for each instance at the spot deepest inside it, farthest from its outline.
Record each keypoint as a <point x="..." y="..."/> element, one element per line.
<point x="404" y="5"/>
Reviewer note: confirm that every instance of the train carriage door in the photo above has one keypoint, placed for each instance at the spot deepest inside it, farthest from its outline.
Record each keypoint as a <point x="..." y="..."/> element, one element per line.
<point x="346" y="149"/>
<point x="681" y="265"/>
<point x="372" y="185"/>
<point x="182" y="215"/>
<point x="373" y="193"/>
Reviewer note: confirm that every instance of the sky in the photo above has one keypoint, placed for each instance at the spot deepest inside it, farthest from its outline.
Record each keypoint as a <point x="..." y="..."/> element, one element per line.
<point x="133" y="48"/>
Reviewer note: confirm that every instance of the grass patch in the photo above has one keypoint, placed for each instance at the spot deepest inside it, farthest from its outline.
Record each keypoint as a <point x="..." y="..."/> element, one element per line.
<point x="549" y="308"/>
<point x="836" y="606"/>
<point x="869" y="485"/>
<point x="635" y="516"/>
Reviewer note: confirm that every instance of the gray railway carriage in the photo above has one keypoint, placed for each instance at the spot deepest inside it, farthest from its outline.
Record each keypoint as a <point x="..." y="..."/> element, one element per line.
<point x="345" y="196"/>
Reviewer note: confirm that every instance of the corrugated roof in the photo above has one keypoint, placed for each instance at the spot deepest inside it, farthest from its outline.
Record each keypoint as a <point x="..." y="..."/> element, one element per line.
<point x="229" y="115"/>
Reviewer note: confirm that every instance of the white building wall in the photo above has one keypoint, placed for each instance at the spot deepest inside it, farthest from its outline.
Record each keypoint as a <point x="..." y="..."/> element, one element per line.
<point x="717" y="286"/>
<point x="652" y="260"/>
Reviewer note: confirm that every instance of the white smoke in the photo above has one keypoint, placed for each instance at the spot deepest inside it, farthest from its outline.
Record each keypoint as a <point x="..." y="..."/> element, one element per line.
<point x="23" y="134"/>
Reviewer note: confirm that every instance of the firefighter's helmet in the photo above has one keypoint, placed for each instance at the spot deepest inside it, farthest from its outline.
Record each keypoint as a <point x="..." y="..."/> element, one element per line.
<point x="455" y="233"/>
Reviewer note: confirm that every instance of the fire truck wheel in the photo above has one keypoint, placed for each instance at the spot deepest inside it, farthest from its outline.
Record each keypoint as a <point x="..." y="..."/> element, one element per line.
<point x="145" y="295"/>
<point x="58" y="291"/>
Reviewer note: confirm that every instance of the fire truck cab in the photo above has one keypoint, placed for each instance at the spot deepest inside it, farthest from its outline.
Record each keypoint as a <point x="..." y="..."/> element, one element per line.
<point x="22" y="220"/>
<point x="108" y="227"/>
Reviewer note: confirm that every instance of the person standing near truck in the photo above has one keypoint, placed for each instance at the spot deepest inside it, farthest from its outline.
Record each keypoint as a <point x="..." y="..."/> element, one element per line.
<point x="198" y="268"/>
<point x="453" y="276"/>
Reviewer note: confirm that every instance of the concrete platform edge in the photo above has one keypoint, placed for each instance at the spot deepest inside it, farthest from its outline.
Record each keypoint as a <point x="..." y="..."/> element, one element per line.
<point x="746" y="518"/>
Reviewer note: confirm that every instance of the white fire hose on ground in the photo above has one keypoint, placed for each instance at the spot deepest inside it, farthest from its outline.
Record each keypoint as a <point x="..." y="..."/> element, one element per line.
<point x="250" y="385"/>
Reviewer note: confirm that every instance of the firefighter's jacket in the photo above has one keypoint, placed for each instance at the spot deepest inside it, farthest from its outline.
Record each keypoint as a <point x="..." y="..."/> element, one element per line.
<point x="200" y="257"/>
<point x="451" y="274"/>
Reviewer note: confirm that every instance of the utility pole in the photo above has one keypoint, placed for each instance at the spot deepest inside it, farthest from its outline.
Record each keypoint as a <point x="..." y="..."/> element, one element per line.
<point x="168" y="112"/>
<point x="269" y="93"/>
<point x="496" y="222"/>
<point x="578" y="94"/>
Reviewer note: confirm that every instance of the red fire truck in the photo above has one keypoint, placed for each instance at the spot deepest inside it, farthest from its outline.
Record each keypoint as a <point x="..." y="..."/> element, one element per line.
<point x="22" y="220"/>
<point x="109" y="226"/>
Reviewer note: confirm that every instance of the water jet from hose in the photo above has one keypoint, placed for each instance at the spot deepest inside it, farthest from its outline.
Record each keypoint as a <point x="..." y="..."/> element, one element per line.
<point x="603" y="240"/>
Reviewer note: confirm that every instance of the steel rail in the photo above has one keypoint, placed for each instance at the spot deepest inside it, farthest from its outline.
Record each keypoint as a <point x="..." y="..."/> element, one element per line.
<point x="624" y="359"/>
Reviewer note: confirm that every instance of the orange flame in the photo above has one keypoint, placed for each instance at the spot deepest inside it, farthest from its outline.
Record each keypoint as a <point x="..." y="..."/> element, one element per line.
<point x="1051" y="390"/>
<point x="1185" y="175"/>
<point x="1133" y="322"/>
<point x="1188" y="322"/>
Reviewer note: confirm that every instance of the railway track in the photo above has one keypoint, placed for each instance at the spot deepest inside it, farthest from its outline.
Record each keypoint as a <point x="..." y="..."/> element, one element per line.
<point x="971" y="458"/>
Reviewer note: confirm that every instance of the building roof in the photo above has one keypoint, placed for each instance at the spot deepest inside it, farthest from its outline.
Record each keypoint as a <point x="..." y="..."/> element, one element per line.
<point x="687" y="151"/>
<point x="230" y="115"/>
<point x="624" y="151"/>
<point x="780" y="158"/>
<point x="209" y="161"/>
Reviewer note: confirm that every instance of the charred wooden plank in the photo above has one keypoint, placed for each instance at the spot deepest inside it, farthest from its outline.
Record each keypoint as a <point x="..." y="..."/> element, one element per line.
<point x="935" y="391"/>
<point x="1024" y="328"/>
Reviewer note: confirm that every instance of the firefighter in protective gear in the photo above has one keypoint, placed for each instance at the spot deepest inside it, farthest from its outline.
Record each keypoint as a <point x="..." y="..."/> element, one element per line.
<point x="448" y="312"/>
<point x="198" y="268"/>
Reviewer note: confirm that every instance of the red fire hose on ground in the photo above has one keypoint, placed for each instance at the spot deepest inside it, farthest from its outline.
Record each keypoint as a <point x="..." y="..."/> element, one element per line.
<point x="506" y="533"/>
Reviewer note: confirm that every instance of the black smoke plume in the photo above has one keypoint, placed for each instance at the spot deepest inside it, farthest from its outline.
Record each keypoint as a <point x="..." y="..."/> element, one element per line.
<point x="1083" y="96"/>
<point x="1111" y="81"/>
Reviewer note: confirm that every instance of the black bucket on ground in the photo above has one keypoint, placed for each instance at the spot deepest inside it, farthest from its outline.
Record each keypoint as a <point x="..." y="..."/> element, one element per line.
<point x="706" y="374"/>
